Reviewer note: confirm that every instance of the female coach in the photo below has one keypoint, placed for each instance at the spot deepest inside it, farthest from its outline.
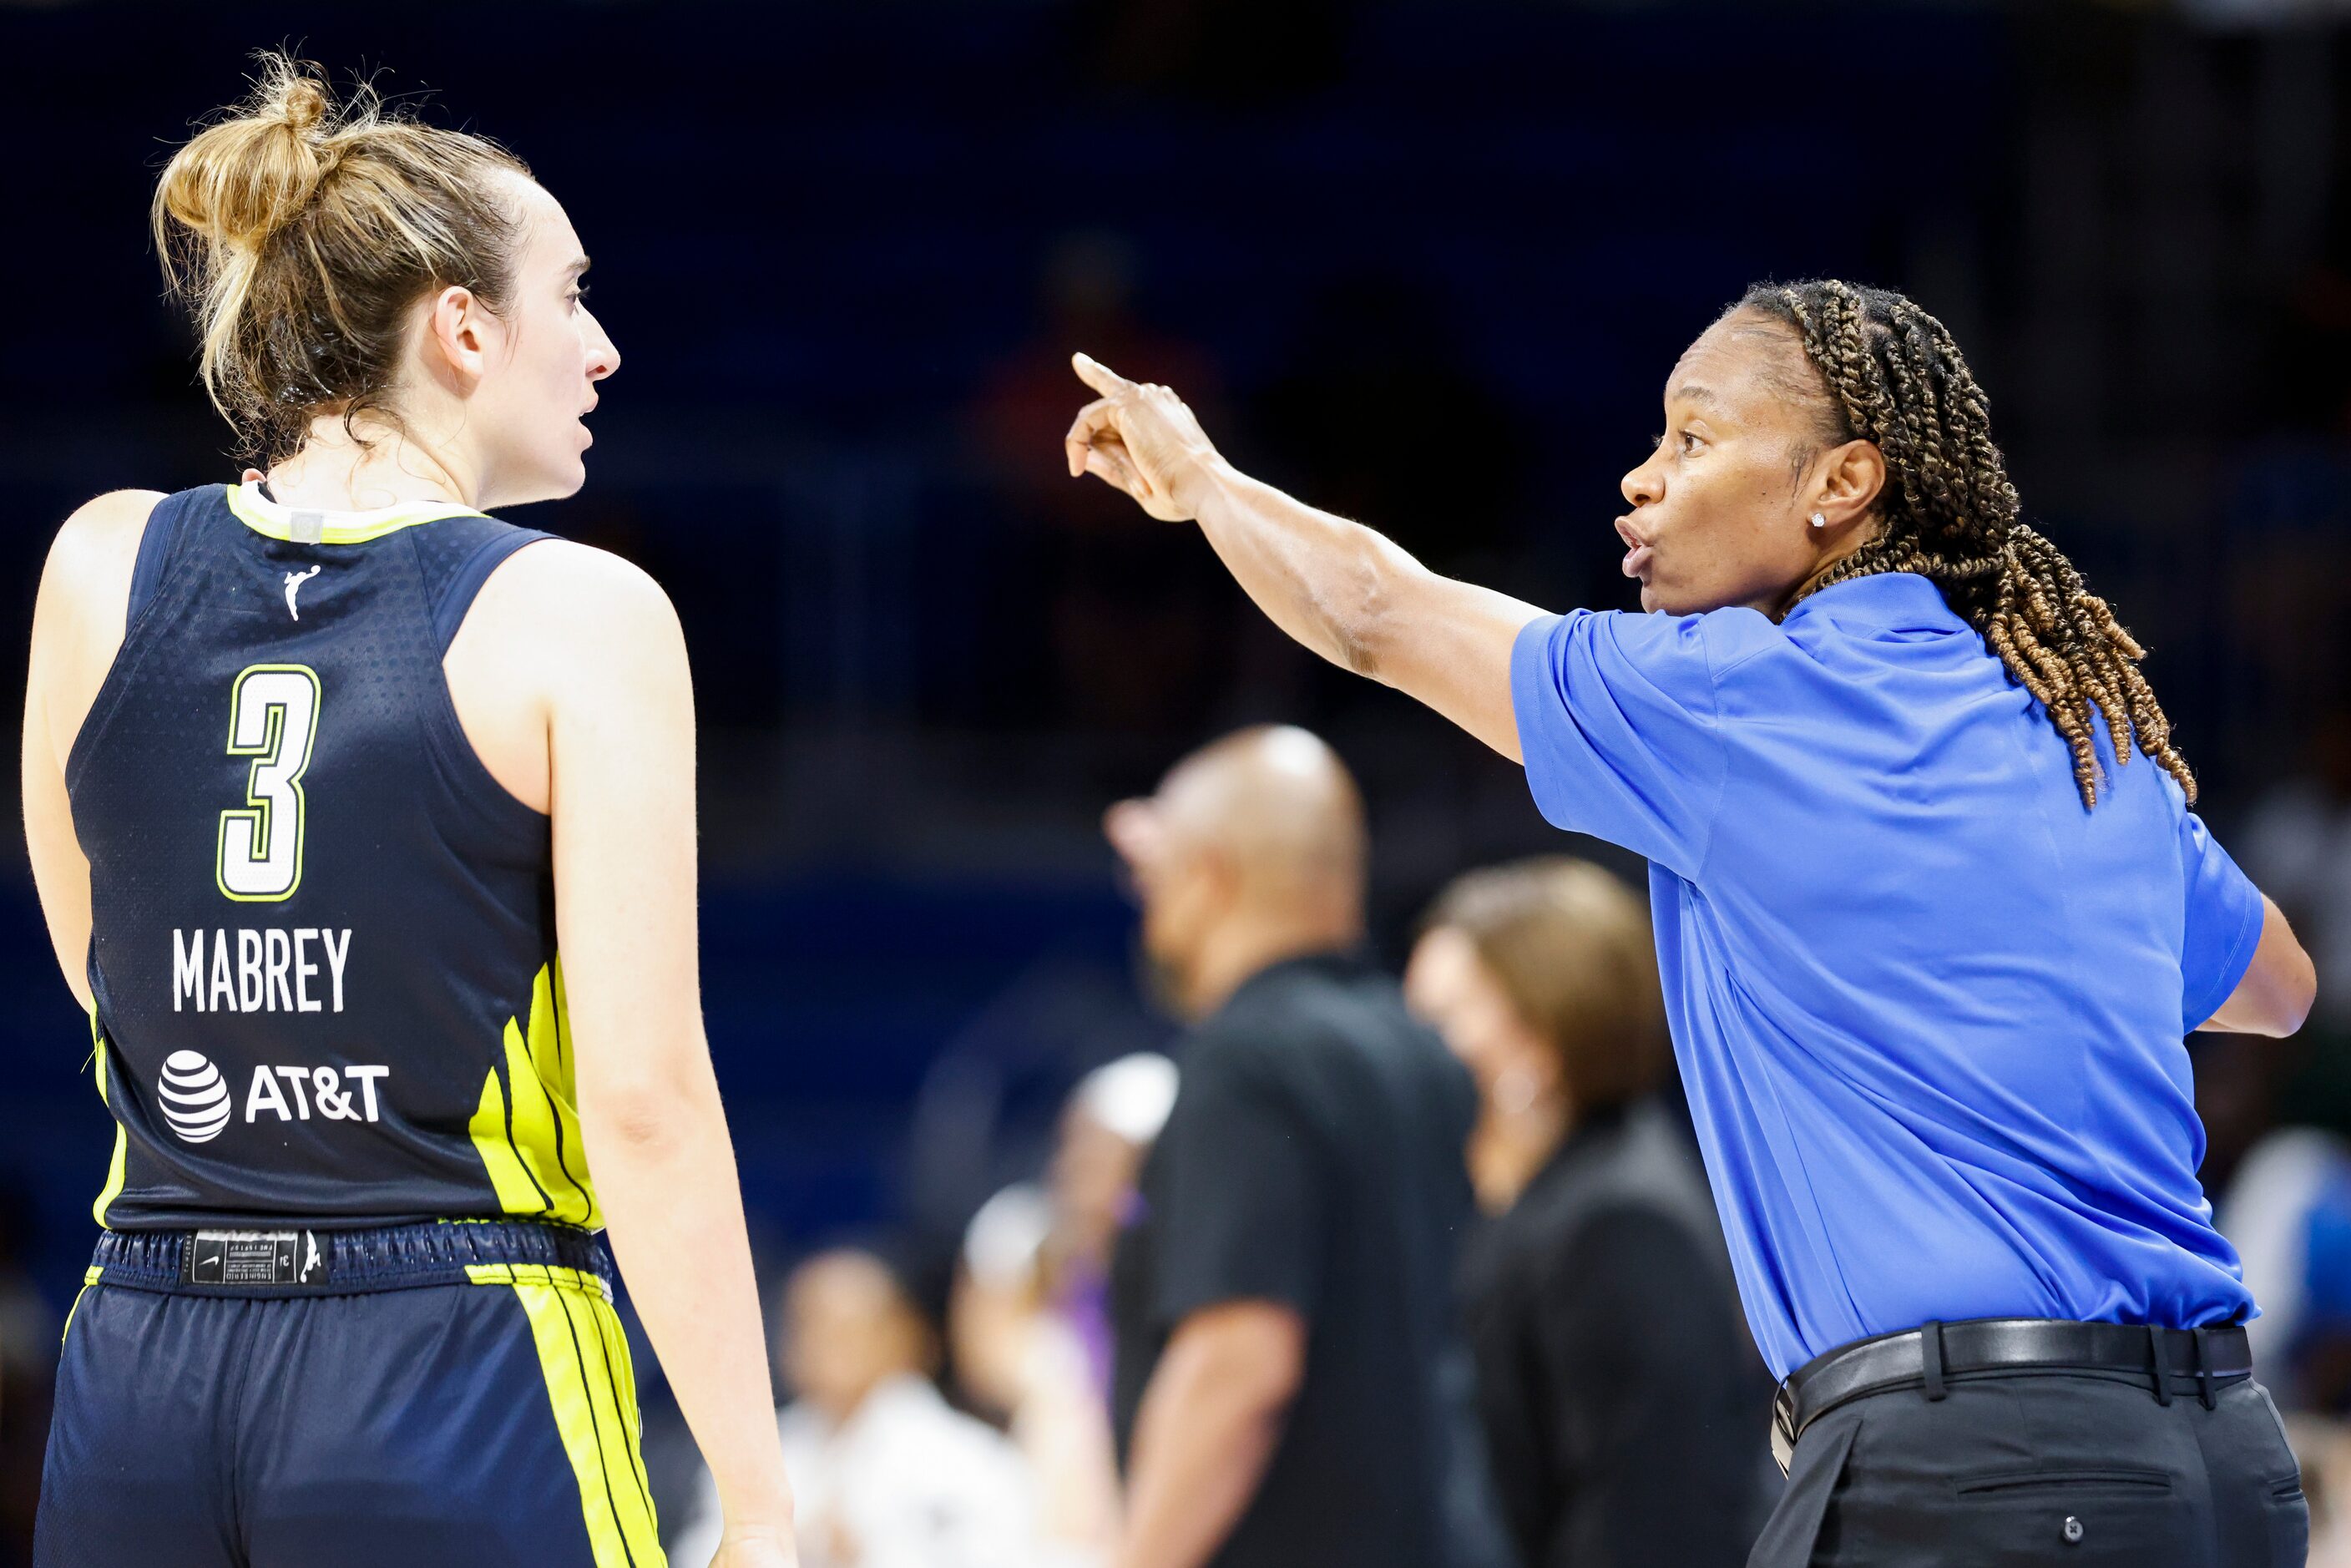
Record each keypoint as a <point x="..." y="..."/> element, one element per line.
<point x="1929" y="941"/>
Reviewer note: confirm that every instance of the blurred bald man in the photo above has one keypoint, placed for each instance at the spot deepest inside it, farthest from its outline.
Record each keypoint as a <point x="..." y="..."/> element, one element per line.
<point x="1290" y="1389"/>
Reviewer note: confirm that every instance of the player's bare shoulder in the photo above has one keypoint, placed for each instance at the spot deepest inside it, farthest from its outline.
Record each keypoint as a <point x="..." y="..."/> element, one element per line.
<point x="98" y="546"/>
<point x="564" y="610"/>
<point x="560" y="632"/>
<point x="78" y="619"/>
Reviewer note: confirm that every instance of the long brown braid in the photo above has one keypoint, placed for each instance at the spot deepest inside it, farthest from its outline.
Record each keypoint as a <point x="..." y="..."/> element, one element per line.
<point x="1892" y="376"/>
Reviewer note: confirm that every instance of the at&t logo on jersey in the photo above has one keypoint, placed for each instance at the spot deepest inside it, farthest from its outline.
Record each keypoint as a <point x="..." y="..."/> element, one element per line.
<point x="197" y="1103"/>
<point x="194" y="1097"/>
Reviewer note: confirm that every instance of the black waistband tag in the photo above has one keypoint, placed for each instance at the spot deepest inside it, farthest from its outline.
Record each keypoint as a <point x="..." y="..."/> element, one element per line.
<point x="253" y="1258"/>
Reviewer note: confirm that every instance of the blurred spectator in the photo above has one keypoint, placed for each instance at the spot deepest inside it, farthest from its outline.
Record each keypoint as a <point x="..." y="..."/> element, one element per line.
<point x="2287" y="1211"/>
<point x="1031" y="1323"/>
<point x="885" y="1474"/>
<point x="28" y="1360"/>
<point x="1001" y="1302"/>
<point x="1112" y="1120"/>
<point x="1288" y="1368"/>
<point x="1543" y="980"/>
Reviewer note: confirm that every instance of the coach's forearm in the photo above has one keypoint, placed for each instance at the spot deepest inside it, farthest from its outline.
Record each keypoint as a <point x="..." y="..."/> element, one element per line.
<point x="1333" y="584"/>
<point x="665" y="1175"/>
<point x="1361" y="601"/>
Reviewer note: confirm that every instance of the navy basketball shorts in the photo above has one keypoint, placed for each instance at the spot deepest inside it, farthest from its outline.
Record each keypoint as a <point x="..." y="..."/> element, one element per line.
<point x="454" y="1394"/>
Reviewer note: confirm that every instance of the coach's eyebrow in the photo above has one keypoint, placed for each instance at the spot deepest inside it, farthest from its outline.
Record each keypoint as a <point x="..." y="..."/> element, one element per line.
<point x="1691" y="392"/>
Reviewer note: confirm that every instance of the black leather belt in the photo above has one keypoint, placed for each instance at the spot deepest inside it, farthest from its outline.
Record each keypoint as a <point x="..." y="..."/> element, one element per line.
<point x="2187" y="1363"/>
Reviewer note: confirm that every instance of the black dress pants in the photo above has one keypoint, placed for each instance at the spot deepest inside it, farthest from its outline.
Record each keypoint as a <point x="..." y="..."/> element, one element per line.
<point x="2042" y="1468"/>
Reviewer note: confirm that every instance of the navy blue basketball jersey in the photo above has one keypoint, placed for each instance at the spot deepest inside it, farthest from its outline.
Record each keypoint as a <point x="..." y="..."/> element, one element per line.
<point x="323" y="942"/>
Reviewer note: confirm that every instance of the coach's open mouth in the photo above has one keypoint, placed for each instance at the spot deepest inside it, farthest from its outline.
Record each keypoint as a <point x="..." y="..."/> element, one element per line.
<point x="1637" y="550"/>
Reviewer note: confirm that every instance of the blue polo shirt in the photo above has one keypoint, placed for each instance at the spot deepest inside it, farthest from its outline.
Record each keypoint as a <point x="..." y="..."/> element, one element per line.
<point x="1928" y="1008"/>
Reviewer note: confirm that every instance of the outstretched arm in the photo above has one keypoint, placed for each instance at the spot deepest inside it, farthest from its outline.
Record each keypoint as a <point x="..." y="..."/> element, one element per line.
<point x="1343" y="589"/>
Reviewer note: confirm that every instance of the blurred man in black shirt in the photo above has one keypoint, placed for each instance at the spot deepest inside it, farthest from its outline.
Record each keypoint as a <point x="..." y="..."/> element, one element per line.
<point x="1289" y="1387"/>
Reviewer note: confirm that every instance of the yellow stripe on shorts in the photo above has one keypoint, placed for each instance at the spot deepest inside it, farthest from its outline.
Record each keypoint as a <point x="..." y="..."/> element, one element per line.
<point x="89" y="1277"/>
<point x="592" y="1392"/>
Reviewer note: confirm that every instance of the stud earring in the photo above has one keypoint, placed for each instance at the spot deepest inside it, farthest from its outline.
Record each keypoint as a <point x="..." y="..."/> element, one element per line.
<point x="1820" y="521"/>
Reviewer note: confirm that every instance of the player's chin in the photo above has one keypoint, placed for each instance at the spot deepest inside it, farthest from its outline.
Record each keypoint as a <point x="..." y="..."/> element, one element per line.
<point x="568" y="475"/>
<point x="557" y="481"/>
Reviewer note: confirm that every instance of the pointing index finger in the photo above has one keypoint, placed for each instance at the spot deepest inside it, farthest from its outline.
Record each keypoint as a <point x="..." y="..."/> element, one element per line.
<point x="1098" y="376"/>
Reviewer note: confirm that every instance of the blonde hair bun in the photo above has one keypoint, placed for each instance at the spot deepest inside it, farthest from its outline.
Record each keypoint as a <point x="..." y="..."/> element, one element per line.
<point x="246" y="177"/>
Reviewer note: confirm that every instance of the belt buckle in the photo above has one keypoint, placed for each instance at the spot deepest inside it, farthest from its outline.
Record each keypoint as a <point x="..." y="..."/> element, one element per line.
<point x="234" y="1258"/>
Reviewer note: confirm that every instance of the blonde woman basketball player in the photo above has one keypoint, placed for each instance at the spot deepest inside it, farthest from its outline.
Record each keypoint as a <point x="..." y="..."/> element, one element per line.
<point x="321" y="770"/>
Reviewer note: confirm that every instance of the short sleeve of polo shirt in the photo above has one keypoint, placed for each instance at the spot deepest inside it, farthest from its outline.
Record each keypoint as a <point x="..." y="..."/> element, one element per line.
<point x="2224" y="925"/>
<point x="1617" y="722"/>
<point x="1240" y="1212"/>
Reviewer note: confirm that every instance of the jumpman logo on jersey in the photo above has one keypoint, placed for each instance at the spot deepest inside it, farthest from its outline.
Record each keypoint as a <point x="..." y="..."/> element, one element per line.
<point x="294" y="581"/>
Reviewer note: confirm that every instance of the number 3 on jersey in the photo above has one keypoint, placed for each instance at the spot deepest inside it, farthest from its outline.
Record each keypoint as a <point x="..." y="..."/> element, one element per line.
<point x="273" y="716"/>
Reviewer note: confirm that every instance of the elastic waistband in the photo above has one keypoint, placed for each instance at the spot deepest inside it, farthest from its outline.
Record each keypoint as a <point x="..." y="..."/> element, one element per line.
<point x="305" y="1260"/>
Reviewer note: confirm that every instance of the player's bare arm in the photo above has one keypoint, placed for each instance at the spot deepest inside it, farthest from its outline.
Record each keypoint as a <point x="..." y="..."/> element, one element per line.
<point x="1343" y="589"/>
<point x="593" y="645"/>
<point x="77" y="627"/>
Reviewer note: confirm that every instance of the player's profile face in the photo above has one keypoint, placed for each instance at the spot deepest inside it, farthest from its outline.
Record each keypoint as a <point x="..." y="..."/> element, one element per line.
<point x="537" y="389"/>
<point x="1717" y="513"/>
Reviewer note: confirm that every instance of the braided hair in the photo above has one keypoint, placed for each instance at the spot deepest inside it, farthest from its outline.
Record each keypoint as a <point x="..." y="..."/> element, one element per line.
<point x="1890" y="374"/>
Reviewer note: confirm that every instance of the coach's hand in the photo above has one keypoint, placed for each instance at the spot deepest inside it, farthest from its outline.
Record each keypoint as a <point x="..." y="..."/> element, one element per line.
<point x="1142" y="439"/>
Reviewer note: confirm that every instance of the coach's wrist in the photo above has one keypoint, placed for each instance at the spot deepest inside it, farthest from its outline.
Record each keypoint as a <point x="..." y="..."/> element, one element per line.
<point x="1205" y="486"/>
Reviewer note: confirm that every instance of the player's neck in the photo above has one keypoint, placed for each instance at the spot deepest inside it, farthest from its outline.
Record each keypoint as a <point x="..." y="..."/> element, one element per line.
<point x="335" y="471"/>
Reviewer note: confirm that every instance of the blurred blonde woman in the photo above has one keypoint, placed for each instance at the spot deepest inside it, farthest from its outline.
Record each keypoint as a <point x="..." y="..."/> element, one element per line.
<point x="1541" y="978"/>
<point x="320" y="770"/>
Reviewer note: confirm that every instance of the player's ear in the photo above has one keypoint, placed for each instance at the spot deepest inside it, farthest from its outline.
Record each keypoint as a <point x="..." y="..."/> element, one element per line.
<point x="457" y="329"/>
